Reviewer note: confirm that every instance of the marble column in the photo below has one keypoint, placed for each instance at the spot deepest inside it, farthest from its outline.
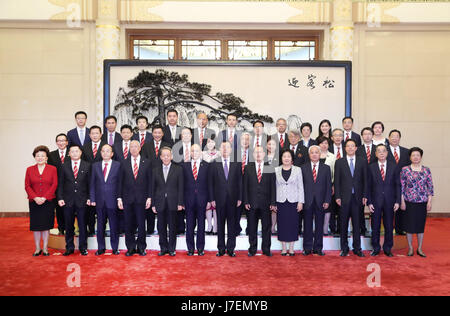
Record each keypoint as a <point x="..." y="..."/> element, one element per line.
<point x="341" y="31"/>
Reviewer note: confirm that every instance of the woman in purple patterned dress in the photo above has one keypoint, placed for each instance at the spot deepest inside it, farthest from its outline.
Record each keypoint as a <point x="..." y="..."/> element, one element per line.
<point x="417" y="193"/>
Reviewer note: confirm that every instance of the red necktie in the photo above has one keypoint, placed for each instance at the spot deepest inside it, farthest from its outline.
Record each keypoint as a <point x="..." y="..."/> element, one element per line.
<point x="75" y="170"/>
<point x="281" y="141"/>
<point x="348" y="136"/>
<point x="194" y="171"/>
<point x="94" y="151"/>
<point x="201" y="137"/>
<point x="62" y="157"/>
<point x="231" y="138"/>
<point x="396" y="156"/>
<point x="382" y="171"/>
<point x="314" y="173"/>
<point x="186" y="154"/>
<point x="142" y="140"/>
<point x="338" y="156"/>
<point x="257" y="142"/>
<point x="105" y="170"/>
<point x="368" y="154"/>
<point x="244" y="161"/>
<point x="259" y="173"/>
<point x="125" y="151"/>
<point x="157" y="149"/>
<point x="135" y="169"/>
<point x="293" y="149"/>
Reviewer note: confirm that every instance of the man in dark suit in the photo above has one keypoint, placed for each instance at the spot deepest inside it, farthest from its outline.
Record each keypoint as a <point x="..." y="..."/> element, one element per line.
<point x="244" y="157"/>
<point x="338" y="148"/>
<point x="104" y="191"/>
<point x="350" y="187"/>
<point x="259" y="200"/>
<point x="172" y="131"/>
<point x="122" y="149"/>
<point x="367" y="152"/>
<point x="317" y="186"/>
<point x="143" y="136"/>
<point x="383" y="198"/>
<point x="232" y="135"/>
<point x="110" y="136"/>
<point x="73" y="195"/>
<point x="202" y="133"/>
<point x="57" y="159"/>
<point x="196" y="199"/>
<point x="400" y="156"/>
<point x="306" y="130"/>
<point x="135" y="194"/>
<point x="80" y="134"/>
<point x="168" y="199"/>
<point x="259" y="138"/>
<point x="281" y="137"/>
<point x="92" y="154"/>
<point x="226" y="195"/>
<point x="347" y="124"/>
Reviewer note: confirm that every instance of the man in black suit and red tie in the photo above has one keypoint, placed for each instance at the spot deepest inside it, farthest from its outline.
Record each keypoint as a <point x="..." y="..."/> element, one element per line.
<point x="80" y="134"/>
<point x="110" y="136"/>
<point x="172" y="131"/>
<point x="142" y="135"/>
<point x="400" y="156"/>
<point x="135" y="196"/>
<point x="168" y="200"/>
<point x="350" y="187"/>
<point x="57" y="159"/>
<point x="196" y="199"/>
<point x="281" y="137"/>
<point x="383" y="198"/>
<point x="73" y="195"/>
<point x="259" y="200"/>
<point x="122" y="149"/>
<point x="226" y="196"/>
<point x="232" y="135"/>
<point x="317" y="186"/>
<point x="202" y="133"/>
<point x="347" y="124"/>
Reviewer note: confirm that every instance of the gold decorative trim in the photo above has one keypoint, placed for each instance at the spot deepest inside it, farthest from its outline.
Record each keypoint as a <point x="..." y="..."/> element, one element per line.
<point x="347" y="28"/>
<point x="108" y="27"/>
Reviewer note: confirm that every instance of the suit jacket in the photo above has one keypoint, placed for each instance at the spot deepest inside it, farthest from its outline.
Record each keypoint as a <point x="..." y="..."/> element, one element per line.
<point x="320" y="191"/>
<point x="344" y="182"/>
<point x="148" y="137"/>
<point x="117" y="137"/>
<point x="135" y="190"/>
<point x="105" y="193"/>
<point x="277" y="139"/>
<point x="88" y="153"/>
<point x="263" y="141"/>
<point x="149" y="152"/>
<point x="167" y="138"/>
<point x="301" y="155"/>
<point x="380" y="191"/>
<point x="209" y="133"/>
<point x="292" y="190"/>
<point x="54" y="159"/>
<point x="178" y="152"/>
<point x="236" y="142"/>
<point x="362" y="152"/>
<point x="343" y="152"/>
<point x="196" y="189"/>
<point x="404" y="157"/>
<point x="118" y="152"/>
<point x="74" y="192"/>
<point x="170" y="191"/>
<point x="355" y="137"/>
<point x="260" y="195"/>
<point x="223" y="190"/>
<point x="312" y="142"/>
<point x="74" y="139"/>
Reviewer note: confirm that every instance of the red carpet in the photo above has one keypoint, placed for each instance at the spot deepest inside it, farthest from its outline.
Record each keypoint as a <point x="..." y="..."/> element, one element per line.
<point x="21" y="274"/>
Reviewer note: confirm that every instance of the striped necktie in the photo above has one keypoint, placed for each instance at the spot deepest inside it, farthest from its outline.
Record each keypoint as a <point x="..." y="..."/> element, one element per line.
<point x="142" y="140"/>
<point x="125" y="151"/>
<point x="396" y="156"/>
<point x="135" y="169"/>
<point x="95" y="150"/>
<point x="368" y="154"/>
<point x="195" y="171"/>
<point x="75" y="170"/>
<point x="259" y="173"/>
<point x="383" y="176"/>
<point x="314" y="173"/>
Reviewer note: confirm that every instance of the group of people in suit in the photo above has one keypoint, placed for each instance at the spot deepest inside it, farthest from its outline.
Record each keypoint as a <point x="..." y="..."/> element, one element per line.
<point x="183" y="176"/>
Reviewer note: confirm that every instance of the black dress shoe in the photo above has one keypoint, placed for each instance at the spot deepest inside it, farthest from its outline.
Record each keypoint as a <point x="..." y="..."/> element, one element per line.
<point x="359" y="254"/>
<point x="221" y="253"/>
<point x="130" y="253"/>
<point x="344" y="253"/>
<point x="100" y="252"/>
<point x="374" y="253"/>
<point x="268" y="254"/>
<point x="307" y="252"/>
<point x="142" y="253"/>
<point x="251" y="254"/>
<point x="190" y="253"/>
<point x="163" y="253"/>
<point x="116" y="252"/>
<point x="84" y="252"/>
<point x="284" y="254"/>
<point x="388" y="254"/>
<point x="319" y="253"/>
<point x="37" y="254"/>
<point x="231" y="254"/>
<point x="172" y="253"/>
<point x="68" y="253"/>
<point x="201" y="253"/>
<point x="421" y="254"/>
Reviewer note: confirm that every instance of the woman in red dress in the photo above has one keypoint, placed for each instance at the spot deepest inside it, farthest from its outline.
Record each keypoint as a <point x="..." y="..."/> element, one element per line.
<point x="41" y="181"/>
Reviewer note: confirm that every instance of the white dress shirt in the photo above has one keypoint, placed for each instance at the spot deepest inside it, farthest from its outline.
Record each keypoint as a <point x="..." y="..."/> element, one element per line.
<point x="108" y="168"/>
<point x="294" y="146"/>
<point x="84" y="132"/>
<point x="173" y="132"/>
<point x="393" y="149"/>
<point x="78" y="164"/>
<point x="257" y="165"/>
<point x="138" y="161"/>
<point x="384" y="166"/>
<point x="336" y="150"/>
<point x="317" y="166"/>
<point x="257" y="139"/>
<point x="197" y="164"/>
<point x="98" y="146"/>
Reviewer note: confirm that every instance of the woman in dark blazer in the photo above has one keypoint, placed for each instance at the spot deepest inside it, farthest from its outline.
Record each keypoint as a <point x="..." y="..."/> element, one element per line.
<point x="41" y="182"/>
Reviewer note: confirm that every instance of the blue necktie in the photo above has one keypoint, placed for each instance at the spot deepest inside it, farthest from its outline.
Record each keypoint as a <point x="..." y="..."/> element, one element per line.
<point x="225" y="169"/>
<point x="82" y="136"/>
<point x="352" y="170"/>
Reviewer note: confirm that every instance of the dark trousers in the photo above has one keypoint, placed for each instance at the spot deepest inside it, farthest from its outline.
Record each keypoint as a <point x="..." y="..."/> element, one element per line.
<point x="351" y="210"/>
<point x="399" y="221"/>
<point x="90" y="219"/>
<point x="385" y="212"/>
<point x="121" y="221"/>
<point x="195" y="216"/>
<point x="59" y="211"/>
<point x="301" y="219"/>
<point x="110" y="214"/>
<point x="335" y="218"/>
<point x="167" y="219"/>
<point x="150" y="218"/>
<point x="239" y="212"/>
<point x="226" y="212"/>
<point x="181" y="224"/>
<point x="69" y="219"/>
<point x="313" y="240"/>
<point x="253" y="217"/>
<point x="135" y="214"/>
<point x="362" y="222"/>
